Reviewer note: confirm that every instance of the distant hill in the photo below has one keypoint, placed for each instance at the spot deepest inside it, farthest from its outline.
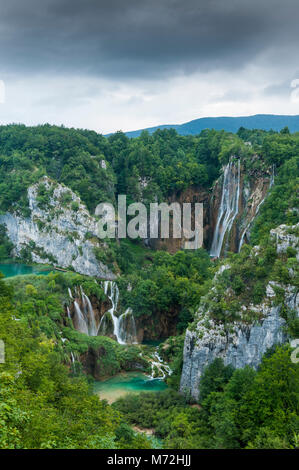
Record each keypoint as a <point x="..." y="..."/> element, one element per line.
<point x="229" y="124"/>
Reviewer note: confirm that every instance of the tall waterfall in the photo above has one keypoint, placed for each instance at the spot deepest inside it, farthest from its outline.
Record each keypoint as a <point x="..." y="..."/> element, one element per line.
<point x="124" y="328"/>
<point x="229" y="206"/>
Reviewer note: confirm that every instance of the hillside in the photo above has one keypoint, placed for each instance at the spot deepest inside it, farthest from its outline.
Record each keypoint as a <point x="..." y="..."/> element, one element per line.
<point x="228" y="124"/>
<point x="214" y="323"/>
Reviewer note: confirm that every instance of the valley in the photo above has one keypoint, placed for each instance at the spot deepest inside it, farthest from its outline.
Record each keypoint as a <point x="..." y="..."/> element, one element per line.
<point x="209" y="327"/>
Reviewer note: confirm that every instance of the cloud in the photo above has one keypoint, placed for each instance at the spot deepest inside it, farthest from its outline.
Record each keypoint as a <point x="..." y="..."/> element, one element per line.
<point x="141" y="38"/>
<point x="110" y="64"/>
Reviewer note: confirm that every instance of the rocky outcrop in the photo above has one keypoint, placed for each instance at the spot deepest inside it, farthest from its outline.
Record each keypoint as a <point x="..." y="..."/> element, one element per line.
<point x="59" y="231"/>
<point x="192" y="195"/>
<point x="285" y="237"/>
<point x="242" y="343"/>
<point x="157" y="326"/>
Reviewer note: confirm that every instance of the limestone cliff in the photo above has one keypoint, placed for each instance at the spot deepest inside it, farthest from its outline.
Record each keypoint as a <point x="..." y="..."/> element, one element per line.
<point x="59" y="231"/>
<point x="242" y="343"/>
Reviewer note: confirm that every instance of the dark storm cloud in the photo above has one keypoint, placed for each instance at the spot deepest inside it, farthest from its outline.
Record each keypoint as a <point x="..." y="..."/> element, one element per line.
<point x="142" y="38"/>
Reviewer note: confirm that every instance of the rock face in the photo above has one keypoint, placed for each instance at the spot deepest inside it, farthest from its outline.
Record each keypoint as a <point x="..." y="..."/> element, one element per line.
<point x="243" y="344"/>
<point x="192" y="195"/>
<point x="57" y="232"/>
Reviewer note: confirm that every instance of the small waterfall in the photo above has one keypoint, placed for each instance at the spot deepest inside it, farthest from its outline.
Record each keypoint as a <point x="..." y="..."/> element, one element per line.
<point x="272" y="177"/>
<point x="70" y="293"/>
<point x="74" y="368"/>
<point x="68" y="312"/>
<point x="229" y="206"/>
<point x="160" y="367"/>
<point x="124" y="328"/>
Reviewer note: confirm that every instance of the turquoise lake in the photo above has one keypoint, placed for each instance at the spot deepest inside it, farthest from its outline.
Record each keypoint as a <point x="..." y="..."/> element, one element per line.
<point x="18" y="269"/>
<point x="129" y="382"/>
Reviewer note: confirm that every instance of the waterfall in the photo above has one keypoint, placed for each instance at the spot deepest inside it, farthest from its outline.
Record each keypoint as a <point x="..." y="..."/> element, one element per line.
<point x="158" y="365"/>
<point x="73" y="360"/>
<point x="127" y="327"/>
<point x="124" y="328"/>
<point x="89" y="314"/>
<point x="272" y="177"/>
<point x="72" y="357"/>
<point x="229" y="206"/>
<point x="80" y="320"/>
<point x="68" y="312"/>
<point x="85" y="321"/>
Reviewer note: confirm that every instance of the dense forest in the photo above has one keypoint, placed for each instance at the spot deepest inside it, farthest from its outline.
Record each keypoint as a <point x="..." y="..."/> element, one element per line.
<point x="48" y="402"/>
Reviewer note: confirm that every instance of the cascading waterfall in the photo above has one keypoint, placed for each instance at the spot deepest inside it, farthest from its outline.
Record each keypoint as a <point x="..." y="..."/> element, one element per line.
<point x="159" y="367"/>
<point x="80" y="320"/>
<point x="229" y="206"/>
<point x="124" y="328"/>
<point x="89" y="314"/>
<point x="85" y="321"/>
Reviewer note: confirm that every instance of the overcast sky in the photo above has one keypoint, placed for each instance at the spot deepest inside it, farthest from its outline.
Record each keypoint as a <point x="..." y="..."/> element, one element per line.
<point x="129" y="64"/>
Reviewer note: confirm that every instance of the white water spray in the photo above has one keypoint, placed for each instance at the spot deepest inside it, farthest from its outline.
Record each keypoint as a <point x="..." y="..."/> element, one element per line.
<point x="229" y="206"/>
<point x="124" y="328"/>
<point x="80" y="320"/>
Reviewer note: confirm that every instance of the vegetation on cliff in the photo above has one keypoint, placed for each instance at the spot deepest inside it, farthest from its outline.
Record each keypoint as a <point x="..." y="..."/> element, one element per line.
<point x="239" y="408"/>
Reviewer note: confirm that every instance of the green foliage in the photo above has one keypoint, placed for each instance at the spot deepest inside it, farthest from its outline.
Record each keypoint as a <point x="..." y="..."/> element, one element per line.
<point x="280" y="207"/>
<point x="5" y="245"/>
<point x="238" y="409"/>
<point x="41" y="405"/>
<point x="215" y="378"/>
<point x="169" y="283"/>
<point x="243" y="283"/>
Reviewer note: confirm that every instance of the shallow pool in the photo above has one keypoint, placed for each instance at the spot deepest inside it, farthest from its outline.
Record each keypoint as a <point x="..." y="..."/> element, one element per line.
<point x="128" y="382"/>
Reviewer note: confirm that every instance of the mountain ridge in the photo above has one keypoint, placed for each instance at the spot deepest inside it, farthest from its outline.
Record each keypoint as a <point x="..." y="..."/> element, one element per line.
<point x="265" y="122"/>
